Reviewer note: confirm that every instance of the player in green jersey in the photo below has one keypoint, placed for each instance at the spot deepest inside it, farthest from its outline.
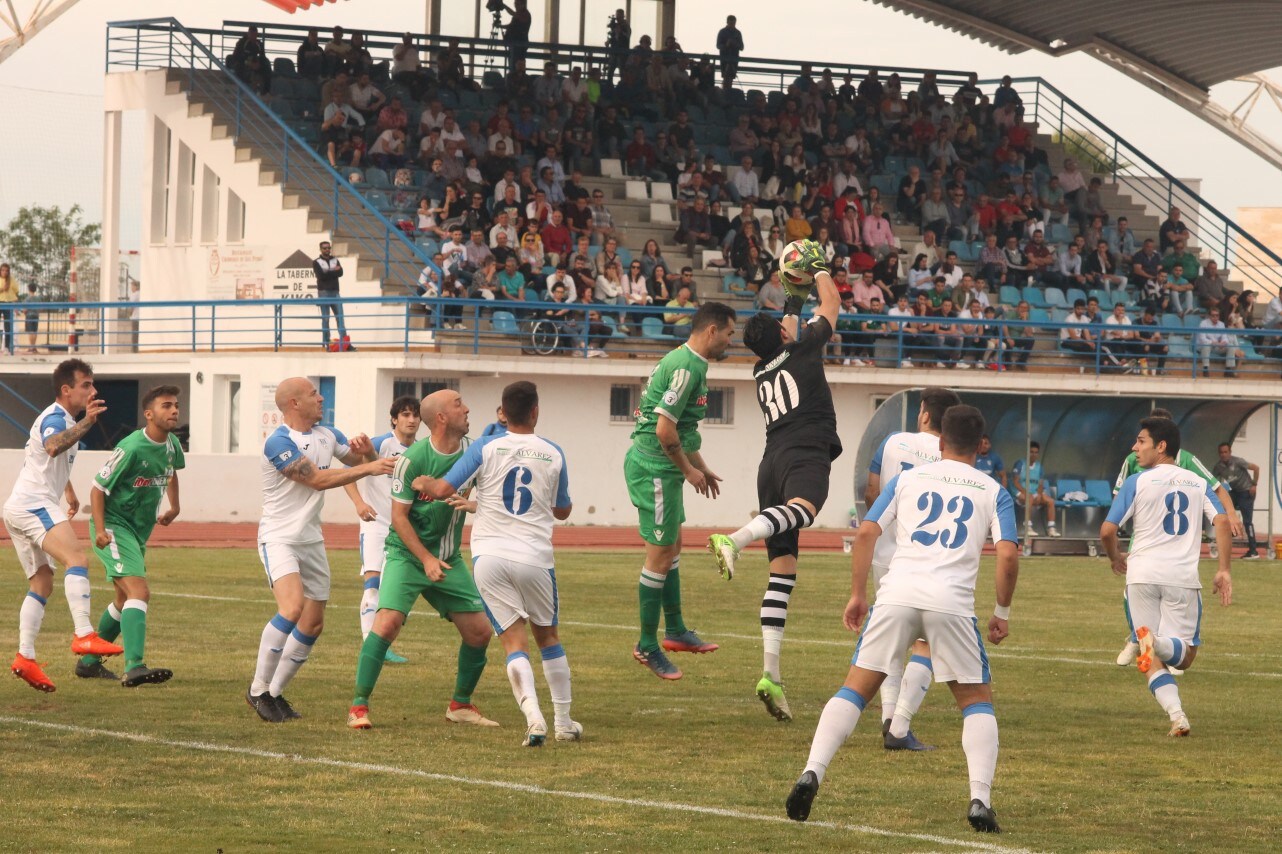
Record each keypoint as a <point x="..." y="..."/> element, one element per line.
<point x="423" y="559"/>
<point x="663" y="457"/>
<point x="1188" y="462"/>
<point x="125" y="501"/>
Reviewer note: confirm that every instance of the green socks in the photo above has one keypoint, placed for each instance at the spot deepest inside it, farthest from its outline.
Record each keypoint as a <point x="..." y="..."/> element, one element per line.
<point x="368" y="666"/>
<point x="108" y="630"/>
<point x="650" y="592"/>
<point x="133" y="628"/>
<point x="672" y="622"/>
<point x="471" y="662"/>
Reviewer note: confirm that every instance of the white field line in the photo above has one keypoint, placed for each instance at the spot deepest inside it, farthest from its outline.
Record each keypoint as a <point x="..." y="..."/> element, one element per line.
<point x="524" y="788"/>
<point x="1025" y="652"/>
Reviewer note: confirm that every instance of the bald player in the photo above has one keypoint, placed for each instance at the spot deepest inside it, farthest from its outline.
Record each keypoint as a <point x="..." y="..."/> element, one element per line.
<point x="295" y="472"/>
<point x="424" y="559"/>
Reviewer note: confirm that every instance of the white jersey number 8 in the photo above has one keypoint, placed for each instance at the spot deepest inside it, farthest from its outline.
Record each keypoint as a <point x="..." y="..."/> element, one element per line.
<point x="778" y="397"/>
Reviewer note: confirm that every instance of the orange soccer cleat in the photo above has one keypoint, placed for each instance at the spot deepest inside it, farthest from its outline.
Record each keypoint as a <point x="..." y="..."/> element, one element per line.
<point x="30" y="672"/>
<point x="358" y="717"/>
<point x="1144" y="660"/>
<point x="91" y="644"/>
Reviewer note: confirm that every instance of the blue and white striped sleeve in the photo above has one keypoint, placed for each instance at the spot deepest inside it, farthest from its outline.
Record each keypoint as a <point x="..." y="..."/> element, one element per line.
<point x="874" y="467"/>
<point x="1211" y="505"/>
<point x="883" y="509"/>
<point x="53" y="424"/>
<point x="1004" y="527"/>
<point x="1123" y="502"/>
<point x="341" y="446"/>
<point x="280" y="449"/>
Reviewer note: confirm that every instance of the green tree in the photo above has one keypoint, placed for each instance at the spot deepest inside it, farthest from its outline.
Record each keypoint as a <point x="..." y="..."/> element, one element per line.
<point x="37" y="245"/>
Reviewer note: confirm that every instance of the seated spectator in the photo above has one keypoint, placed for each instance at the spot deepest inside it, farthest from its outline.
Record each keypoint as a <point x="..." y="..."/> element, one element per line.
<point x="771" y="297"/>
<point x="743" y="185"/>
<point x="1149" y="343"/>
<point x="1073" y="183"/>
<point x="1121" y="338"/>
<point x="1068" y="269"/>
<point x="609" y="255"/>
<point x="695" y="229"/>
<point x="975" y="337"/>
<point x="427" y="219"/>
<point x="878" y="235"/>
<point x="967" y="293"/>
<point x="1179" y="255"/>
<point x="1100" y="269"/>
<point x="557" y="240"/>
<point x="945" y="338"/>
<point x="388" y="151"/>
<point x="992" y="262"/>
<point x="609" y="282"/>
<point x="756" y="270"/>
<point x="561" y="278"/>
<point x="1208" y="288"/>
<point x="1041" y="259"/>
<point x="919" y="276"/>
<point x="578" y="218"/>
<point x="530" y="258"/>
<point x="1030" y="490"/>
<point x="602" y="221"/>
<point x="950" y="271"/>
<point x="538" y="210"/>
<point x="677" y="322"/>
<point x="1079" y="340"/>
<point x="912" y="194"/>
<point x="1171" y="230"/>
<point x="339" y="119"/>
<point x="1216" y="340"/>
<point x="367" y="98"/>
<point x="485" y="281"/>
<point x="1157" y="293"/>
<point x="651" y="257"/>
<point x="511" y="284"/>
<point x="640" y="158"/>
<point x="351" y="152"/>
<point x="1179" y="291"/>
<point x="934" y="212"/>
<point x="1145" y="264"/>
<point x="1018" y="340"/>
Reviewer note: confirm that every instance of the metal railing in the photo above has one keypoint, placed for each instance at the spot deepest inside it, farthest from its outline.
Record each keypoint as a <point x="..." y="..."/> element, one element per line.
<point x="532" y="329"/>
<point x="326" y="194"/>
<point x="1113" y="158"/>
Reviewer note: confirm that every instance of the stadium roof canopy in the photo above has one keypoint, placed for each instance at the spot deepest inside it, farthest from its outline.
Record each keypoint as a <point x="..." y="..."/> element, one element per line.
<point x="1186" y="44"/>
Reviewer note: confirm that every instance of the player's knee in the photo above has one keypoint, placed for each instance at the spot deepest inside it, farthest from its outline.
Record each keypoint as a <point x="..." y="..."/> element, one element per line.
<point x="920" y="647"/>
<point x="311" y="625"/>
<point x="545" y="636"/>
<point x="476" y="633"/>
<point x="387" y="624"/>
<point x="42" y="582"/>
<point x="1190" y="653"/>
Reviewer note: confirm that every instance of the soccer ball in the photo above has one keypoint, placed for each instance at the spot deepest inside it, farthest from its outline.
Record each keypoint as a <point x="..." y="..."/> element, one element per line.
<point x="790" y="271"/>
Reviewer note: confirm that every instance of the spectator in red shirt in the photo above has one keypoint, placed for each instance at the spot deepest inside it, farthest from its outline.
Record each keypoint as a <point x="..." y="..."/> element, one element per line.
<point x="393" y="116"/>
<point x="640" y="158"/>
<point x="556" y="239"/>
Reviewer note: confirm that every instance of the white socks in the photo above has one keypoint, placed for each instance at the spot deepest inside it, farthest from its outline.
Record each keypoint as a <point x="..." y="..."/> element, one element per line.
<point x="293" y="656"/>
<point x="774" y="615"/>
<point x="270" y="646"/>
<point x="369" y="606"/>
<point x="521" y="675"/>
<point x="76" y="585"/>
<point x="889" y="690"/>
<point x="770" y="521"/>
<point x="979" y="741"/>
<point x="1162" y="684"/>
<point x="835" y="726"/>
<point x="30" y="617"/>
<point x="556" y="670"/>
<point x="1169" y="650"/>
<point x="916" y="682"/>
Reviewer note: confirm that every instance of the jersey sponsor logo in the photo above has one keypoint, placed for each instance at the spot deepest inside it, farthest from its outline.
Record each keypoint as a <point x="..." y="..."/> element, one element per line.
<point x="953" y="480"/>
<point x="775" y="362"/>
<point x="160" y="481"/>
<point x="701" y="400"/>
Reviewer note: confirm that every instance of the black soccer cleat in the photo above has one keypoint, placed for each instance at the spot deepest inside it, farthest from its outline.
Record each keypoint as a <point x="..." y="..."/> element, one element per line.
<point x="982" y="818"/>
<point x="263" y="705"/>
<point x="282" y="705"/>
<point x="802" y="796"/>
<point x="144" y="675"/>
<point x="94" y="671"/>
<point x="908" y="742"/>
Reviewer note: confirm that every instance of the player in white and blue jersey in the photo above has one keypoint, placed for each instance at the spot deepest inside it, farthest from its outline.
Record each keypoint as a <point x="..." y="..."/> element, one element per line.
<point x="1163" y="591"/>
<point x="905" y="686"/>
<point x="522" y="488"/>
<point x="41" y="530"/>
<point x="939" y="514"/>
<point x="295" y="470"/>
<point x="372" y="498"/>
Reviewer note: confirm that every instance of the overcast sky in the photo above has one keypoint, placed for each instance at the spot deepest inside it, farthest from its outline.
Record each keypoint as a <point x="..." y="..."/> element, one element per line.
<point x="52" y="142"/>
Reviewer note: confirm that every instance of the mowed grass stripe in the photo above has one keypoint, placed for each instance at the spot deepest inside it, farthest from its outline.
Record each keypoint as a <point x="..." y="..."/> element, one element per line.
<point x="524" y="788"/>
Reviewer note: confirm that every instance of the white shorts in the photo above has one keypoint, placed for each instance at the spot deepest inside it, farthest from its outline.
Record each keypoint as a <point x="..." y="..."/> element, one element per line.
<point x="28" y="529"/>
<point x="1170" y="612"/>
<point x="956" y="649"/>
<point x="373" y="537"/>
<point x="306" y="559"/>
<point x="512" y="590"/>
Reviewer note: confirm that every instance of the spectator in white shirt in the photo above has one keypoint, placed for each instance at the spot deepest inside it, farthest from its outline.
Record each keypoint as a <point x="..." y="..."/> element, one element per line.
<point x="1273" y="313"/>
<point x="744" y="185"/>
<point x="502" y="223"/>
<point x="1217" y="341"/>
<point x="1069" y="268"/>
<point x="432" y="117"/>
<point x="366" y="97"/>
<point x="846" y="178"/>
<point x="1121" y="339"/>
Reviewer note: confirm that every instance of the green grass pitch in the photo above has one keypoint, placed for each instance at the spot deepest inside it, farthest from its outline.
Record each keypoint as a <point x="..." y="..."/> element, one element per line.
<point x="694" y="765"/>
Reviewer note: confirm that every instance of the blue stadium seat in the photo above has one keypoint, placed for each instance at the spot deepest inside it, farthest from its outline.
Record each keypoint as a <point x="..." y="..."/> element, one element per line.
<point x="378" y="199"/>
<point x="1059" y="233"/>
<point x="1074" y="294"/>
<point x="377" y="179"/>
<point x="1181" y="347"/>
<point x="1065" y="485"/>
<point x="887" y="185"/>
<point x="1009" y="295"/>
<point x="732" y="283"/>
<point x="1055" y="298"/>
<point x="1035" y="297"/>
<point x="610" y="321"/>
<point x="428" y="245"/>
<point x="1192" y="321"/>
<point x="962" y="248"/>
<point x="1172" y="319"/>
<point x="1100" y="491"/>
<point x="652" y="328"/>
<point x="1038" y="315"/>
<point x="283" y="65"/>
<point x="895" y="165"/>
<point x="504" y="323"/>
<point x="1249" y="353"/>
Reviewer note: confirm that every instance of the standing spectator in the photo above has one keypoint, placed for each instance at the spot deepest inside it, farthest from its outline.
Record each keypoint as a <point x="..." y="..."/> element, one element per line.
<point x="310" y="60"/>
<point x="1241" y="479"/>
<point x="135" y="314"/>
<point x="1149" y="342"/>
<point x="618" y="40"/>
<point x="516" y="35"/>
<point x="1020" y="339"/>
<point x="328" y="270"/>
<point x="1216" y="340"/>
<point x="1073" y="183"/>
<point x="729" y="46"/>
<point x="335" y="124"/>
<point x="31" y="320"/>
<point x="407" y="67"/>
<point x="8" y="298"/>
<point x="249" y="62"/>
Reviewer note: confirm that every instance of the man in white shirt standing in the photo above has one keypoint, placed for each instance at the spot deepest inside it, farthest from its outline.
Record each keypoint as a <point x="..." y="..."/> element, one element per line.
<point x="940" y="514"/>
<point x="40" y="529"/>
<point x="1218" y="341"/>
<point x="522" y="486"/>
<point x="1163" y="598"/>
<point x="295" y="469"/>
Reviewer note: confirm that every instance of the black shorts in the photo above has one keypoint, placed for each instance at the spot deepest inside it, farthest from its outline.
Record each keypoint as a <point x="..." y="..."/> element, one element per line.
<point x="792" y="472"/>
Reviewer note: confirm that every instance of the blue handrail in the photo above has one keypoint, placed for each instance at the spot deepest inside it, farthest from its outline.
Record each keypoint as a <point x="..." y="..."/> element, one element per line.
<point x="134" y="50"/>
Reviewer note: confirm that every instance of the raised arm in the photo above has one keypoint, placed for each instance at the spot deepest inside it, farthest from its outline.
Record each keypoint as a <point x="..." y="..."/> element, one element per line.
<point x="63" y="440"/>
<point x="302" y="471"/>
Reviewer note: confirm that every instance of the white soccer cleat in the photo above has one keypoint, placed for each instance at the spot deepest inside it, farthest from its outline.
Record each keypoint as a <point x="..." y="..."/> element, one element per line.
<point x="1174" y="671"/>
<point x="1180" y="726"/>
<point x="1126" y="657"/>
<point x="461" y="713"/>
<point x="535" y="734"/>
<point x="573" y="732"/>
